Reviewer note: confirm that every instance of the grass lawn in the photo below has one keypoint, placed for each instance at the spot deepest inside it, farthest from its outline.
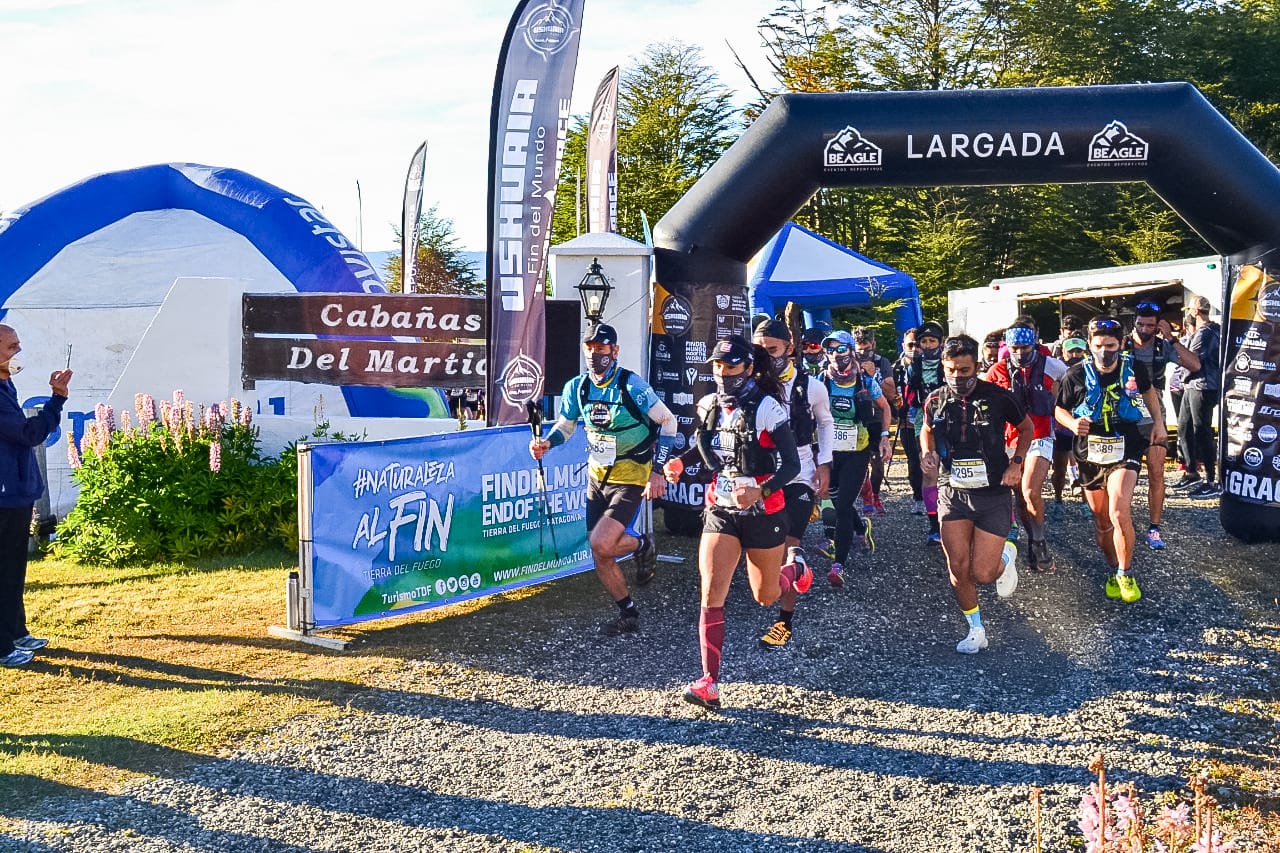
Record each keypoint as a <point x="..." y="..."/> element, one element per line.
<point x="171" y="655"/>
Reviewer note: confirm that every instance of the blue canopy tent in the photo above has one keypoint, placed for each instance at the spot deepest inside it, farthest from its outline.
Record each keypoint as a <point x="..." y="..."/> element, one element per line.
<point x="800" y="266"/>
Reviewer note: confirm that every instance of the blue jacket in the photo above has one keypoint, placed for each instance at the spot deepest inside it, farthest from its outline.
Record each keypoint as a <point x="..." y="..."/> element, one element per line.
<point x="20" y="481"/>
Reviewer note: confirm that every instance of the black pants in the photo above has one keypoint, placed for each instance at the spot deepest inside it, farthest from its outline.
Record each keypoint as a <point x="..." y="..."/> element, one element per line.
<point x="15" y="532"/>
<point x="911" y="446"/>
<point x="848" y="470"/>
<point x="1195" y="431"/>
<point x="1176" y="397"/>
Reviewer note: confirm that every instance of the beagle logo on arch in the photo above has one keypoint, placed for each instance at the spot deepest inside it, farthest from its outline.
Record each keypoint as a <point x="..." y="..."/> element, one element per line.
<point x="1115" y="143"/>
<point x="849" y="149"/>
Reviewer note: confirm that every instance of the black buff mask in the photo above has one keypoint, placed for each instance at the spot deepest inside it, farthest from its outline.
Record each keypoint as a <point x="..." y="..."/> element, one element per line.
<point x="780" y="364"/>
<point x="1025" y="359"/>
<point x="734" y="389"/>
<point x="1070" y="362"/>
<point x="1106" y="359"/>
<point x="600" y="364"/>
<point x="843" y="362"/>
<point x="962" y="386"/>
<point x="931" y="353"/>
<point x="813" y="358"/>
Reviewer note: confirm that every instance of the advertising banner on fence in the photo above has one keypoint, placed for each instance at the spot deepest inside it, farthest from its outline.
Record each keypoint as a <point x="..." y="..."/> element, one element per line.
<point x="416" y="523"/>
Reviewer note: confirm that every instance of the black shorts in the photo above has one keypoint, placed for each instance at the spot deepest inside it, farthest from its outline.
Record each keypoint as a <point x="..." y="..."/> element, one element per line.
<point x="618" y="501"/>
<point x="752" y="529"/>
<point x="799" y="508"/>
<point x="1094" y="476"/>
<point x="990" y="509"/>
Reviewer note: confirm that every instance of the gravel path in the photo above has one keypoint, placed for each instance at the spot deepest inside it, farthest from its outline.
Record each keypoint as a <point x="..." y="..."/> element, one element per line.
<point x="520" y="729"/>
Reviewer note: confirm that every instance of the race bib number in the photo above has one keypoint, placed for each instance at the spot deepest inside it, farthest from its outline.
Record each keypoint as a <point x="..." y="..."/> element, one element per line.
<point x="725" y="485"/>
<point x="1105" y="449"/>
<point x="849" y="438"/>
<point x="602" y="448"/>
<point x="969" y="474"/>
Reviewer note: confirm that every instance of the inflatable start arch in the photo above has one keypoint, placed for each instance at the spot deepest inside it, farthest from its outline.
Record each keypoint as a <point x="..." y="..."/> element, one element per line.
<point x="1166" y="135"/>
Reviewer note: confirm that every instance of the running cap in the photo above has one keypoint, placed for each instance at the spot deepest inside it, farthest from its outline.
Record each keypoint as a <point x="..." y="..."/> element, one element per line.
<point x="1074" y="343"/>
<point x="770" y="328"/>
<point x="601" y="333"/>
<point x="930" y="330"/>
<point x="732" y="350"/>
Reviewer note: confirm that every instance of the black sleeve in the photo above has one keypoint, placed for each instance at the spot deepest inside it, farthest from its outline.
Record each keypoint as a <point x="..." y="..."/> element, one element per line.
<point x="789" y="458"/>
<point x="1014" y="410"/>
<point x="1067" y="390"/>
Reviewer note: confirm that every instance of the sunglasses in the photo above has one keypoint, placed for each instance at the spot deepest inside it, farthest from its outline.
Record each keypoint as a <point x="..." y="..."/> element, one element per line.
<point x="811" y="347"/>
<point x="1104" y="326"/>
<point x="1148" y="306"/>
<point x="839" y="349"/>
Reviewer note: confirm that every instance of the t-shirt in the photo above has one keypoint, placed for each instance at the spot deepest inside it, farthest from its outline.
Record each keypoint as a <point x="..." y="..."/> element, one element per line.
<point x="851" y="432"/>
<point x="770" y="414"/>
<point x="1072" y="391"/>
<point x="968" y="433"/>
<point x="612" y="431"/>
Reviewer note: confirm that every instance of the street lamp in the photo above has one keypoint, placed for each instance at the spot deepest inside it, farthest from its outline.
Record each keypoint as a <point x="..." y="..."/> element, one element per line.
<point x="594" y="290"/>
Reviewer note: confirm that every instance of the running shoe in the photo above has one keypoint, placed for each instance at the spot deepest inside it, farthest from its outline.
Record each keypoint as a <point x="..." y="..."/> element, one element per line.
<point x="30" y="643"/>
<point x="1040" y="558"/>
<point x="868" y="498"/>
<point x="973" y="642"/>
<point x="17" y="657"/>
<point x="835" y="577"/>
<point x="828" y="549"/>
<point x="1013" y="532"/>
<point x="1008" y="580"/>
<point x="1154" y="542"/>
<point x="623" y="623"/>
<point x="1205" y="491"/>
<point x="704" y="693"/>
<point x="1187" y="481"/>
<point x="935" y="538"/>
<point x="1113" y="586"/>
<point x="917" y="507"/>
<point x="880" y="510"/>
<point x="1128" y="588"/>
<point x="868" y="542"/>
<point x="646" y="557"/>
<point x="776" y="637"/>
<point x="802" y="574"/>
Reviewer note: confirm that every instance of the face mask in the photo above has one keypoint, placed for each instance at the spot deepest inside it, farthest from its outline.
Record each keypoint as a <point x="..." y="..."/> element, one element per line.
<point x="780" y="364"/>
<point x="1145" y="337"/>
<point x="1076" y="360"/>
<point x="842" y="362"/>
<point x="1024" y="359"/>
<point x="600" y="363"/>
<point x="15" y="365"/>
<point x="962" y="385"/>
<point x="931" y="353"/>
<point x="813" y="357"/>
<point x="734" y="386"/>
<point x="1106" y="359"/>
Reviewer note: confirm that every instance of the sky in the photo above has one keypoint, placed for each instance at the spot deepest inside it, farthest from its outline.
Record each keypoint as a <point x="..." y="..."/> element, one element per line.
<point x="309" y="95"/>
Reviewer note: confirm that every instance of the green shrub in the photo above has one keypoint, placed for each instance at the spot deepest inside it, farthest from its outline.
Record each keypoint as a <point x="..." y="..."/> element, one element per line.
<point x="183" y="483"/>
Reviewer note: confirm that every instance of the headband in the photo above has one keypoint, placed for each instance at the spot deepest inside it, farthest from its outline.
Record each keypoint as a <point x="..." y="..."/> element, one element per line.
<point x="1020" y="336"/>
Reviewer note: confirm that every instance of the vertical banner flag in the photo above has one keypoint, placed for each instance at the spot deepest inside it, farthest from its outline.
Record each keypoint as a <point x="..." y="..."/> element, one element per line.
<point x="602" y="158"/>
<point x="415" y="523"/>
<point x="410" y="220"/>
<point x="529" y="125"/>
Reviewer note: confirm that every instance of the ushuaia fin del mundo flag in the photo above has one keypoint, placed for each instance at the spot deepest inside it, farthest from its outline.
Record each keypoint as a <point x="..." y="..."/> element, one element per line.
<point x="530" y="122"/>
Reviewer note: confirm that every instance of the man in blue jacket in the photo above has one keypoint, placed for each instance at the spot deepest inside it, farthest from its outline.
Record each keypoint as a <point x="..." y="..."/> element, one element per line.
<point x="20" y="485"/>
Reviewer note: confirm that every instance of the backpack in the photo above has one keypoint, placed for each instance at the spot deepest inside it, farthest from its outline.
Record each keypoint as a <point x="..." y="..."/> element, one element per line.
<point x="749" y="457"/>
<point x="802" y="422"/>
<point x="643" y="451"/>
<point x="1094" y="405"/>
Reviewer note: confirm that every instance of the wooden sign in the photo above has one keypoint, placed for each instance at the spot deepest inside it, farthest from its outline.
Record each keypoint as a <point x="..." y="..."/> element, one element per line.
<point x="387" y="340"/>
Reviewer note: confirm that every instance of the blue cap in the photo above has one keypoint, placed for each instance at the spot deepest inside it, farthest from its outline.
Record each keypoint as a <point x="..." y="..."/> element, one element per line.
<point x="841" y="337"/>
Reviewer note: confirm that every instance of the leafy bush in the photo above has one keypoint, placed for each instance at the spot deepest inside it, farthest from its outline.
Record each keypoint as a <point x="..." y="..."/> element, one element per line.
<point x="183" y="483"/>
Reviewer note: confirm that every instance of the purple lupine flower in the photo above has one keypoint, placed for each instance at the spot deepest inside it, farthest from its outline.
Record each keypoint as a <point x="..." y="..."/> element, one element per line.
<point x="105" y="415"/>
<point x="189" y="417"/>
<point x="215" y="456"/>
<point x="245" y="416"/>
<point x="73" y="453"/>
<point x="179" y="399"/>
<point x="126" y="422"/>
<point x="1097" y="837"/>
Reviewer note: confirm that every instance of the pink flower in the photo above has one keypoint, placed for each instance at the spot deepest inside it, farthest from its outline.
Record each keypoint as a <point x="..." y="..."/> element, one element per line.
<point x="73" y="454"/>
<point x="147" y="411"/>
<point x="106" y="416"/>
<point x="126" y="422"/>
<point x="215" y="456"/>
<point x="179" y="399"/>
<point x="245" y="416"/>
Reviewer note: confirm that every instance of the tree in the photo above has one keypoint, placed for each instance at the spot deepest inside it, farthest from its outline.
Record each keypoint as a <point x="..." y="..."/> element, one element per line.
<point x="440" y="266"/>
<point x="675" y="119"/>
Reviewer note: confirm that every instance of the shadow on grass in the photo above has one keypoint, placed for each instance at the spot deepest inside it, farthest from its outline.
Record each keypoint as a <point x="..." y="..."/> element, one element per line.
<point x="415" y="808"/>
<point x="98" y="577"/>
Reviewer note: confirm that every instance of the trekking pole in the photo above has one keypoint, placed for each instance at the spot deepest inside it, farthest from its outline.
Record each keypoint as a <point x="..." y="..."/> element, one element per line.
<point x="535" y="426"/>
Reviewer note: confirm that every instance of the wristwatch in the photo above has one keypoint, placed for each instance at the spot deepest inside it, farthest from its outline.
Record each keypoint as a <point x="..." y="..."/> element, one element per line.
<point x="765" y="491"/>
<point x="1015" y="459"/>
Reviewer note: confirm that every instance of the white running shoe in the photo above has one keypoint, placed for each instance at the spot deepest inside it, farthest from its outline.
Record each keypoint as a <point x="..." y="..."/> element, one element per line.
<point x="1008" y="580"/>
<point x="974" y="642"/>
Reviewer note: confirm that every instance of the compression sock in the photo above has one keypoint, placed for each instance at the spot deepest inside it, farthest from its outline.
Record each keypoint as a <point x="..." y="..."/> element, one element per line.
<point x="931" y="500"/>
<point x="711" y="639"/>
<point x="933" y="522"/>
<point x="973" y="617"/>
<point x="628" y="607"/>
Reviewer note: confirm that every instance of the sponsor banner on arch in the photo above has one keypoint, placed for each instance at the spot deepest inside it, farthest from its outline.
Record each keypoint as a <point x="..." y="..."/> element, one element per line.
<point x="417" y="523"/>
<point x="1251" y="388"/>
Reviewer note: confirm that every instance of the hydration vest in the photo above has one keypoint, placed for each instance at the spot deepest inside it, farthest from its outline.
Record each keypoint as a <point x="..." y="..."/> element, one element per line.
<point x="864" y="409"/>
<point x="968" y="434"/>
<point x="803" y="425"/>
<point x="1100" y="407"/>
<point x="1031" y="391"/>
<point x="643" y="451"/>
<point x="750" y="458"/>
<point x="1159" y="358"/>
